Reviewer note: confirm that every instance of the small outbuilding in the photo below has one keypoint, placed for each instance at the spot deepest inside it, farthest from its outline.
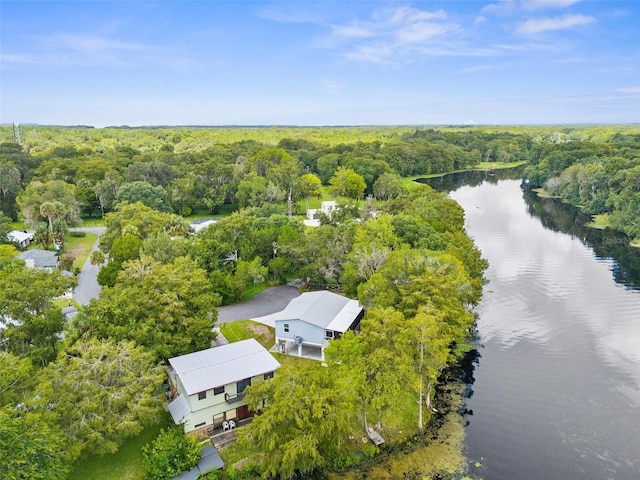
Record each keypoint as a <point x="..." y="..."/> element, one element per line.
<point x="315" y="318"/>
<point x="20" y="238"/>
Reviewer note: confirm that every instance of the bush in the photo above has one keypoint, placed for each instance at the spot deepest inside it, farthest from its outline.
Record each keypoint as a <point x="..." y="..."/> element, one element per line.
<point x="75" y="233"/>
<point x="170" y="454"/>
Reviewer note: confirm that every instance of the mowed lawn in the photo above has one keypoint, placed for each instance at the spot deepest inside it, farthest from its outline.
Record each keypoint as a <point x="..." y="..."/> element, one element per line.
<point x="79" y="248"/>
<point x="126" y="463"/>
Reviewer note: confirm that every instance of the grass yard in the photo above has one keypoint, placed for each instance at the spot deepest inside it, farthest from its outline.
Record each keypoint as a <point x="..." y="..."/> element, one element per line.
<point x="126" y="463"/>
<point x="245" y="329"/>
<point x="79" y="247"/>
<point x="254" y="289"/>
<point x="93" y="222"/>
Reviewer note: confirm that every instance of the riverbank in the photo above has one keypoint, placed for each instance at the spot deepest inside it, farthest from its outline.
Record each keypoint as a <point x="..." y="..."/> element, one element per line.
<point x="438" y="453"/>
<point x="600" y="221"/>
<point x="479" y="167"/>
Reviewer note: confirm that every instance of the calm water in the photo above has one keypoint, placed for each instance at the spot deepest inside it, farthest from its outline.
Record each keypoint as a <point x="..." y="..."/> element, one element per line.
<point x="556" y="391"/>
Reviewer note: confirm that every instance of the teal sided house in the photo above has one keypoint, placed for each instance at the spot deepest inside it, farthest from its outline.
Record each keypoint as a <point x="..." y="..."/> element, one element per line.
<point x="307" y="325"/>
<point x="208" y="386"/>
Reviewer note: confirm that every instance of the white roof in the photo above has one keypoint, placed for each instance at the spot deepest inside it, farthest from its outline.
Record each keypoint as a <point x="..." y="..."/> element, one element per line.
<point x="179" y="409"/>
<point x="218" y="366"/>
<point x="323" y="309"/>
<point x="345" y="317"/>
<point x="202" y="223"/>
<point x="18" y="236"/>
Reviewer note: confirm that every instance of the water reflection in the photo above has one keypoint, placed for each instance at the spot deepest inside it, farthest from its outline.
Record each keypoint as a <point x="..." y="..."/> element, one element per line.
<point x="557" y="390"/>
<point x="560" y="217"/>
<point x="607" y="244"/>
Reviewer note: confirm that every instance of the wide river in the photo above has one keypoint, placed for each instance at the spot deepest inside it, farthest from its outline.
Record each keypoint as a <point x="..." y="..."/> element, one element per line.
<point x="556" y="382"/>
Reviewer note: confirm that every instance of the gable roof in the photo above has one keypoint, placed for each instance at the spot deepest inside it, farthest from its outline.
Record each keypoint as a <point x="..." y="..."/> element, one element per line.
<point x="218" y="366"/>
<point x="41" y="258"/>
<point x="19" y="236"/>
<point x="323" y="309"/>
<point x="202" y="223"/>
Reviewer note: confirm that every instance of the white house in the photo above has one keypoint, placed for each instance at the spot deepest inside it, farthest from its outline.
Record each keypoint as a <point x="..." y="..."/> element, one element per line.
<point x="22" y="238"/>
<point x="208" y="386"/>
<point x="202" y="223"/>
<point x="315" y="318"/>
<point x="313" y="214"/>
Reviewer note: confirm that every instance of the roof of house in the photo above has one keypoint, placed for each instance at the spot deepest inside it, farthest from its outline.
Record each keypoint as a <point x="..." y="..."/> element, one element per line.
<point x="179" y="408"/>
<point x="202" y="223"/>
<point x="323" y="309"/>
<point x="41" y="258"/>
<point x="218" y="366"/>
<point x="19" y="236"/>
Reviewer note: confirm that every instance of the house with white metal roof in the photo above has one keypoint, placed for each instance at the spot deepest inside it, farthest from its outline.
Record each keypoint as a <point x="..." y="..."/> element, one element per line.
<point x="21" y="238"/>
<point x="315" y="318"/>
<point x="207" y="387"/>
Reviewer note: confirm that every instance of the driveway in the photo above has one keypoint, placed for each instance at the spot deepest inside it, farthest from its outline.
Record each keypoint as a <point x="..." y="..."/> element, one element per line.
<point x="88" y="287"/>
<point x="261" y="307"/>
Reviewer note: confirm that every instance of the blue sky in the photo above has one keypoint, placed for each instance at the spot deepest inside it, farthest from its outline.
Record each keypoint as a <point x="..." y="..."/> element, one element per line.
<point x="319" y="63"/>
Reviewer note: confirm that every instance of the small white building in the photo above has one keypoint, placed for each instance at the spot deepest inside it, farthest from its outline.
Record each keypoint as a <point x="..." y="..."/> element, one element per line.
<point x="208" y="386"/>
<point x="202" y="223"/>
<point x="313" y="214"/>
<point x="21" y="238"/>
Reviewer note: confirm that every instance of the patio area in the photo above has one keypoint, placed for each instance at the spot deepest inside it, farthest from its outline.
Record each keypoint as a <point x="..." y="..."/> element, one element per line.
<point x="291" y="348"/>
<point x="221" y="437"/>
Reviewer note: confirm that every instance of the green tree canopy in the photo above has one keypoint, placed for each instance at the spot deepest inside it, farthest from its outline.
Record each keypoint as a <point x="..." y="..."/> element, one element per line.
<point x="33" y="450"/>
<point x="152" y="196"/>
<point x="134" y="218"/>
<point x="31" y="320"/>
<point x="100" y="393"/>
<point x="171" y="453"/>
<point x="37" y="193"/>
<point x="304" y="424"/>
<point x="169" y="308"/>
<point x="347" y="183"/>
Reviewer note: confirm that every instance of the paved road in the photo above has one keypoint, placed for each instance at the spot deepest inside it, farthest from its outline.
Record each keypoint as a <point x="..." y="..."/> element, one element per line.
<point x="88" y="287"/>
<point x="271" y="300"/>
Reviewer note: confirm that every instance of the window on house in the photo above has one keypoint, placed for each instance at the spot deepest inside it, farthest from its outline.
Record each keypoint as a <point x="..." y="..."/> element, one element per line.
<point x="328" y="334"/>
<point x="286" y="327"/>
<point x="202" y="395"/>
<point x="200" y="425"/>
<point x="268" y="375"/>
<point x="242" y="384"/>
<point x="218" y="390"/>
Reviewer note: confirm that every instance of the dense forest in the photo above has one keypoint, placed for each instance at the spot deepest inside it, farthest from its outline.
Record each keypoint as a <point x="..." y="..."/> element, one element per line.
<point x="73" y="388"/>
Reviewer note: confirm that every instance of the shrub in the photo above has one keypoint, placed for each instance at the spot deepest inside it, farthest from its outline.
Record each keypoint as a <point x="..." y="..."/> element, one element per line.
<point x="171" y="453"/>
<point x="75" y="233"/>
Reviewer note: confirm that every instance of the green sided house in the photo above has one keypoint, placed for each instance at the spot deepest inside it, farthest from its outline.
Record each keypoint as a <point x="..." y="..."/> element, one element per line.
<point x="207" y="387"/>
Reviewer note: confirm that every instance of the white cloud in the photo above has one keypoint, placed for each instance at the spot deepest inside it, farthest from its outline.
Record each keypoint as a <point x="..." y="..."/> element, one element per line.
<point x="507" y="7"/>
<point x="477" y="68"/>
<point x="538" y="25"/>
<point x="353" y="31"/>
<point x="91" y="43"/>
<point x="633" y="90"/>
<point x="546" y="4"/>
<point x="399" y="35"/>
